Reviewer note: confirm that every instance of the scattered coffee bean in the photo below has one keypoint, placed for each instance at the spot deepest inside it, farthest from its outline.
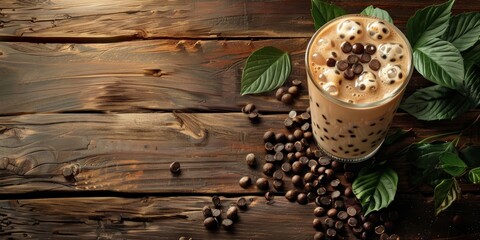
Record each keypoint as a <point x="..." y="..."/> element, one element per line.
<point x="368" y="226"/>
<point x="210" y="223"/>
<point x="329" y="173"/>
<point x="329" y="222"/>
<point x="321" y="191"/>
<point x="293" y="90"/>
<point x="279" y="147"/>
<point x="319" y="211"/>
<point x="339" y="225"/>
<point x="227" y="224"/>
<point x="305" y="116"/>
<point x="287" y="98"/>
<point x="253" y="116"/>
<point x="302" y="198"/>
<point x="394" y="237"/>
<point x="242" y="203"/>
<point x="280" y="138"/>
<point x="319" y="236"/>
<point x="297" y="181"/>
<point x="331" y="233"/>
<point x="269" y="146"/>
<point x="291" y="195"/>
<point x="317" y="224"/>
<point x="297" y="167"/>
<point x="292" y="114"/>
<point x="251" y="160"/>
<point x="332" y="212"/>
<point x="384" y="236"/>
<point x="277" y="184"/>
<point x="303" y="160"/>
<point x="335" y="194"/>
<point x="280" y="92"/>
<point x="349" y="176"/>
<point x="352" y="222"/>
<point x="296" y="82"/>
<point x="339" y="204"/>
<point x="346" y="47"/>
<point x="305" y="127"/>
<point x="357" y="48"/>
<point x="313" y="164"/>
<point x="366" y="235"/>
<point x="357" y="230"/>
<point x="324" y="161"/>
<point x="278" y="156"/>
<point x="216" y="213"/>
<point x="342" y="65"/>
<point x="268" y="169"/>
<point x="457" y="220"/>
<point x="262" y="183"/>
<point x="289" y="147"/>
<point x="309" y="177"/>
<point x="268" y="136"/>
<point x="375" y="65"/>
<point x="286" y="167"/>
<point x="325" y="201"/>
<point x="175" y="167"/>
<point x="331" y="62"/>
<point x="288" y="122"/>
<point x="217" y="203"/>
<point x="232" y="212"/>
<point x="207" y="211"/>
<point x="249" y="108"/>
<point x="352" y="211"/>
<point x="309" y="187"/>
<point x="269" y="196"/>
<point x="291" y="138"/>
<point x="342" y="215"/>
<point x="335" y="183"/>
<point x="245" y="182"/>
<point x="269" y="158"/>
<point x="298" y="134"/>
<point x="278" y="175"/>
<point x="379" y="229"/>
<point x="348" y="192"/>
<point x="321" y="170"/>
<point x="298" y="154"/>
<point x="370" y="49"/>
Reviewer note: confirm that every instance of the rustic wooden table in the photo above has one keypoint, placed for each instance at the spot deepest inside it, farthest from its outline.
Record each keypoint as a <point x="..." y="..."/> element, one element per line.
<point x="119" y="89"/>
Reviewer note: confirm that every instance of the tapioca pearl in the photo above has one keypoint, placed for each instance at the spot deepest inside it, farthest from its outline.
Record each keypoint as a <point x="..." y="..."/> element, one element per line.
<point x="349" y="30"/>
<point x="391" y="74"/>
<point x="391" y="51"/>
<point x="378" y="30"/>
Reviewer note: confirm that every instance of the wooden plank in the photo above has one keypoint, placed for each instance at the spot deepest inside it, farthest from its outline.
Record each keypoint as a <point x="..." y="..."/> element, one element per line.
<point x="131" y="152"/>
<point x="173" y="217"/>
<point x="90" y="20"/>
<point x="140" y="76"/>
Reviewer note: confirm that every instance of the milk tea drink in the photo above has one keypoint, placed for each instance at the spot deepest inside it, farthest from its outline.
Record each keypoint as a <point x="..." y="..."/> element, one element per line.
<point x="357" y="68"/>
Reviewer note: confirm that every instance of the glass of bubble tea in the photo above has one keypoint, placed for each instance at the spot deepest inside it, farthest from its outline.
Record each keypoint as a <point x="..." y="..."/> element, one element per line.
<point x="357" y="68"/>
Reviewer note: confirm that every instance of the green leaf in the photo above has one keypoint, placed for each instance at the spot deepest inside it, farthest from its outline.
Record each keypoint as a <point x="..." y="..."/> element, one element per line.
<point x="472" y="54"/>
<point x="436" y="103"/>
<point x="266" y="69"/>
<point x="471" y="156"/>
<point x="323" y="12"/>
<point x="440" y="62"/>
<point x="375" y="187"/>
<point x="474" y="175"/>
<point x="428" y="23"/>
<point x="463" y="30"/>
<point x="452" y="164"/>
<point x="395" y="136"/>
<point x="472" y="82"/>
<point x="426" y="157"/>
<point x="378" y="13"/>
<point x="445" y="193"/>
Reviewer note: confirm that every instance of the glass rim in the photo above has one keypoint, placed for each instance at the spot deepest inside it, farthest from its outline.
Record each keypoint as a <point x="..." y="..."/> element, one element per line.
<point x="359" y="105"/>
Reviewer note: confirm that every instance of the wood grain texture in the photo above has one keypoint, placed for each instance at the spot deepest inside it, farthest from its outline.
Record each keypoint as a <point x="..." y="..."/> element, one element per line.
<point x="131" y="152"/>
<point x="140" y="76"/>
<point x="173" y="217"/>
<point x="91" y="20"/>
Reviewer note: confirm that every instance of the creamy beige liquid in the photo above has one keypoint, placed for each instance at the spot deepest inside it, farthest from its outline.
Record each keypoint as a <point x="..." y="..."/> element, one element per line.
<point x="351" y="113"/>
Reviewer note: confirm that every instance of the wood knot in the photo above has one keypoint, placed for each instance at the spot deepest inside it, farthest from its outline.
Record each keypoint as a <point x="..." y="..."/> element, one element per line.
<point x="180" y="44"/>
<point x="192" y="127"/>
<point x="71" y="170"/>
<point x="24" y="164"/>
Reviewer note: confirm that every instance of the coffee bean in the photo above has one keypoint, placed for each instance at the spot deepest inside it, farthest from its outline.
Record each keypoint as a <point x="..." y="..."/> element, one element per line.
<point x="303" y="160"/>
<point x="297" y="181"/>
<point x="352" y="222"/>
<point x="379" y="229"/>
<point x="269" y="146"/>
<point x="319" y="236"/>
<point x="346" y="47"/>
<point x="216" y="213"/>
<point x="332" y="212"/>
<point x="324" y="161"/>
<point x="217" y="203"/>
<point x="352" y="59"/>
<point x="384" y="236"/>
<point x="242" y="203"/>
<point x="342" y="65"/>
<point x="253" y="117"/>
<point x="329" y="173"/>
<point x="339" y="204"/>
<point x="291" y="195"/>
<point x="308" y="187"/>
<point x="287" y="98"/>
<point x="342" y="215"/>
<point x="326" y="201"/>
<point x="365" y="58"/>
<point x="299" y="154"/>
<point x="375" y="65"/>
<point x="248" y="108"/>
<point x="305" y="127"/>
<point x="357" y="68"/>
<point x="329" y="222"/>
<point x="279" y="147"/>
<point x="268" y="169"/>
<point x="280" y="92"/>
<point x="349" y="176"/>
<point x="296" y="82"/>
<point x="339" y="225"/>
<point x="207" y="211"/>
<point x="336" y="166"/>
<point x="289" y="147"/>
<point x="317" y="224"/>
<point x="331" y="233"/>
<point x="280" y="138"/>
<point x="278" y="175"/>
<point x="335" y="183"/>
<point x="352" y="211"/>
<point x="297" y="167"/>
<point x="232" y="212"/>
<point x="305" y="142"/>
<point x="366" y="235"/>
<point x="357" y="230"/>
<point x="319" y="211"/>
<point x="210" y="223"/>
<point x="394" y="237"/>
<point x="251" y="160"/>
<point x="357" y="48"/>
<point x="293" y="90"/>
<point x="309" y="177"/>
<point x="348" y="192"/>
<point x="269" y="196"/>
<point x="313" y="164"/>
<point x="302" y="198"/>
<point x="370" y="49"/>
<point x="245" y="182"/>
<point x="368" y="226"/>
<point x="291" y="138"/>
<point x="278" y="184"/>
<point x="321" y="191"/>
<point x="305" y="116"/>
<point x="331" y="62"/>
<point x="175" y="167"/>
<point x="269" y="158"/>
<point x="298" y="134"/>
<point x="298" y="146"/>
<point x="457" y="220"/>
<point x="227" y="224"/>
<point x="262" y="183"/>
<point x="278" y="156"/>
<point x="321" y="170"/>
<point x="288" y="122"/>
<point x="286" y="167"/>
<point x="268" y="136"/>
<point x="335" y="194"/>
<point x="292" y="114"/>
